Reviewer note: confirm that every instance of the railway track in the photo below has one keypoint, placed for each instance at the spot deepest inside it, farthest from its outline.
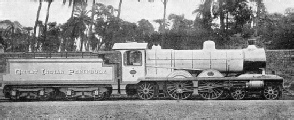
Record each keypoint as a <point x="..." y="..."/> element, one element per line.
<point x="286" y="96"/>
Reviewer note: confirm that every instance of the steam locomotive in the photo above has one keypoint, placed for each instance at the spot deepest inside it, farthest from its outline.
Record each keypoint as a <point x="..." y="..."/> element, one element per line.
<point x="132" y="69"/>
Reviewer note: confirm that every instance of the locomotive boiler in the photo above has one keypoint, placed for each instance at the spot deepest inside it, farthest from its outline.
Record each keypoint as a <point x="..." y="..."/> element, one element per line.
<point x="132" y="69"/>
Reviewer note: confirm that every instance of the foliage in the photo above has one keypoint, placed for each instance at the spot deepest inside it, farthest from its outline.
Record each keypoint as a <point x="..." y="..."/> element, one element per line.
<point x="277" y="31"/>
<point x="228" y="23"/>
<point x="161" y="28"/>
<point x="144" y="32"/>
<point x="234" y="18"/>
<point x="105" y="26"/>
<point x="75" y="28"/>
<point x="204" y="14"/>
<point x="14" y="37"/>
<point x="52" y="41"/>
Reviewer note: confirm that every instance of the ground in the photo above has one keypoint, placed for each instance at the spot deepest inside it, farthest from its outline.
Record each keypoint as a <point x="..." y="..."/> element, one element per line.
<point x="151" y="109"/>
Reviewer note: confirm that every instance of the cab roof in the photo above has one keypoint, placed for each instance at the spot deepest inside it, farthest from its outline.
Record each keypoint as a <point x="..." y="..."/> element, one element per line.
<point x="127" y="46"/>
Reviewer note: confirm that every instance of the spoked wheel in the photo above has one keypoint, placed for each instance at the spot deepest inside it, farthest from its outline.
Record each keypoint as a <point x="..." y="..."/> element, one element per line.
<point x="210" y="90"/>
<point x="100" y="97"/>
<point x="271" y="92"/>
<point x="146" y="90"/>
<point x="16" y="97"/>
<point x="180" y="90"/>
<point x="45" y="97"/>
<point x="238" y="93"/>
<point x="108" y="93"/>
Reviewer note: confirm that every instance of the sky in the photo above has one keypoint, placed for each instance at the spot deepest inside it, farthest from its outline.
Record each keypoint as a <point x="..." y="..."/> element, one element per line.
<point x="25" y="11"/>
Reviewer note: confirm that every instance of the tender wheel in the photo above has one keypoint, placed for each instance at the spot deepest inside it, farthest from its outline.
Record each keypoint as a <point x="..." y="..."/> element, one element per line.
<point x="180" y="90"/>
<point x="15" y="97"/>
<point x="100" y="97"/>
<point x="146" y="90"/>
<point x="45" y="97"/>
<point x="238" y="93"/>
<point x="108" y="93"/>
<point x="210" y="90"/>
<point x="271" y="92"/>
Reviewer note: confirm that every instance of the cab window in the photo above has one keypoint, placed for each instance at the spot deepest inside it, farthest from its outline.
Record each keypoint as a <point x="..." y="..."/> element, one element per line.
<point x="133" y="58"/>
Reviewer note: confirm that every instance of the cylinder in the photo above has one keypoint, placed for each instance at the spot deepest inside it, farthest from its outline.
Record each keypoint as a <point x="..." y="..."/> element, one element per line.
<point x="255" y="84"/>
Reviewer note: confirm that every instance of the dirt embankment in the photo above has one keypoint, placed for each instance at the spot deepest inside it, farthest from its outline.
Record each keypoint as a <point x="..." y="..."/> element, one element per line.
<point x="154" y="109"/>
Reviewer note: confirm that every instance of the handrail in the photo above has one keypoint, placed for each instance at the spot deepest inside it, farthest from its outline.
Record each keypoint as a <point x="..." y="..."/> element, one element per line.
<point x="55" y="54"/>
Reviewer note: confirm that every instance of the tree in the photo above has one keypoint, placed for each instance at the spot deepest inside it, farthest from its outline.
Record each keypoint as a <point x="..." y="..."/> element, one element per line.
<point x="242" y="15"/>
<point x="221" y="16"/>
<point x="29" y="38"/>
<point x="164" y="13"/>
<point x="74" y="3"/>
<point x="37" y="17"/>
<point x="277" y="31"/>
<point x="39" y="23"/>
<point x="161" y="27"/>
<point x="180" y="24"/>
<point x="119" y="9"/>
<point x="74" y="28"/>
<point x="47" y="17"/>
<point x="127" y="32"/>
<point x="180" y="31"/>
<point x="145" y="27"/>
<point x="144" y="32"/>
<point x="204" y="14"/>
<point x="69" y="32"/>
<point x="15" y="37"/>
<point x="52" y="41"/>
<point x="106" y="25"/>
<point x="91" y="35"/>
<point x="234" y="16"/>
<point x="82" y="21"/>
<point x="259" y="12"/>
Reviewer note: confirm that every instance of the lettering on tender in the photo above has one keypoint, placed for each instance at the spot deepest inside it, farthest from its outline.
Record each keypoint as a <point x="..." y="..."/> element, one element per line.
<point x="20" y="72"/>
<point x="44" y="72"/>
<point x="87" y="72"/>
<point x="51" y="72"/>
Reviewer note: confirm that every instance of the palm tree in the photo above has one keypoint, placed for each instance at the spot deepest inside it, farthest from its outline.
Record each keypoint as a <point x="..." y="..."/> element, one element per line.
<point x="119" y="9"/>
<point x="37" y="18"/>
<point x="161" y="27"/>
<point x="259" y="4"/>
<point x="82" y="20"/>
<point x="28" y="32"/>
<point x="164" y="13"/>
<point x="73" y="3"/>
<point x="69" y="33"/>
<point x="91" y="36"/>
<point x="47" y="14"/>
<point x="70" y="3"/>
<point x="221" y="15"/>
<point x="178" y="21"/>
<point x="204" y="13"/>
<point x="47" y="17"/>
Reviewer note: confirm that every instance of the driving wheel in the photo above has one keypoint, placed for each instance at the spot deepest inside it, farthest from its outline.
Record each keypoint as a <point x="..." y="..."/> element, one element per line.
<point x="210" y="90"/>
<point x="180" y="90"/>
